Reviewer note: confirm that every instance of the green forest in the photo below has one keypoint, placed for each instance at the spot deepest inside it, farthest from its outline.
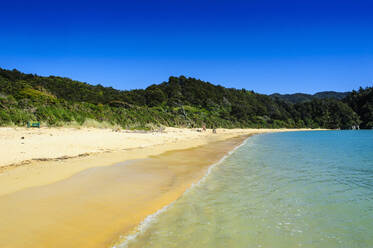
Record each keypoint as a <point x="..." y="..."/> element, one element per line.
<point x="179" y="102"/>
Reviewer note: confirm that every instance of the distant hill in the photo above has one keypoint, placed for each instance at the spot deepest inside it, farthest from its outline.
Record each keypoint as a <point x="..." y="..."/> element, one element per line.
<point x="301" y="97"/>
<point x="331" y="95"/>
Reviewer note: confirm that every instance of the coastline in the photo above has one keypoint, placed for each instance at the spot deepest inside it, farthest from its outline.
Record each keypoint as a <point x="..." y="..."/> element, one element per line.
<point x="48" y="155"/>
<point x="124" y="239"/>
<point x="94" y="207"/>
<point x="93" y="203"/>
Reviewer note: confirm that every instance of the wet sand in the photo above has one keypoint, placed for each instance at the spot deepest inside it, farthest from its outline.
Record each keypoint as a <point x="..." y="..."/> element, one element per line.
<point x="95" y="206"/>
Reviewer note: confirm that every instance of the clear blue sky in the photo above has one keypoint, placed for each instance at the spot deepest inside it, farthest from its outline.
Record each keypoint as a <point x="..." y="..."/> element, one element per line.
<point x="265" y="46"/>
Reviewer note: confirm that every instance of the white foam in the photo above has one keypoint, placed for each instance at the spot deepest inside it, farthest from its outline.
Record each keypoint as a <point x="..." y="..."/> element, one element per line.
<point x="151" y="218"/>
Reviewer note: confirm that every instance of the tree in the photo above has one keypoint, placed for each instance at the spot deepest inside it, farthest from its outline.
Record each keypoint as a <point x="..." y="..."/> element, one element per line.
<point x="154" y="96"/>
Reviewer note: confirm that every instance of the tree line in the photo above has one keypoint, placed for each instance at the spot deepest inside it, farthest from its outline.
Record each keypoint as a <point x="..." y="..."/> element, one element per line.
<point x="180" y="101"/>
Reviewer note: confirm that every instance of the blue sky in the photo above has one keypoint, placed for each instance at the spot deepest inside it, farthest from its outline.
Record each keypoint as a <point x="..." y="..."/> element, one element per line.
<point x="265" y="46"/>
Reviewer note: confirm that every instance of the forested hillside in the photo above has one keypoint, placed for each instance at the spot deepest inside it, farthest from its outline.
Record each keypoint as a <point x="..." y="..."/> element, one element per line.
<point x="301" y="97"/>
<point x="180" y="101"/>
<point x="362" y="103"/>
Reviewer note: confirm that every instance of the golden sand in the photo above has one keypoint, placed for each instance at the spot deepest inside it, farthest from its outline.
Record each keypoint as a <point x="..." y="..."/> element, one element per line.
<point x="95" y="206"/>
<point x="40" y="158"/>
<point x="25" y="144"/>
<point x="50" y="196"/>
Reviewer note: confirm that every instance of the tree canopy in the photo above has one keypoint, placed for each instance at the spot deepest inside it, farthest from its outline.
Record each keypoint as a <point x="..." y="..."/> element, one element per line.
<point x="180" y="101"/>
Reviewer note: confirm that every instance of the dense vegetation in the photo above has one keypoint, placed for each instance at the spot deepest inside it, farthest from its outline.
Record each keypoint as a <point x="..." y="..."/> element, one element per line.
<point x="301" y="97"/>
<point x="179" y="102"/>
<point x="362" y="103"/>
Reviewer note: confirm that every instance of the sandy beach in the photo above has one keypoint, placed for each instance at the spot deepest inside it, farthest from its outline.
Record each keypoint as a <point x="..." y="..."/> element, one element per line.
<point x="35" y="157"/>
<point x="90" y="186"/>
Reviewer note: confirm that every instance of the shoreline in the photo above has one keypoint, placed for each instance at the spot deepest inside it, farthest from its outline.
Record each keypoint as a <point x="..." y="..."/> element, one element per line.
<point x="124" y="239"/>
<point x="96" y="206"/>
<point x="101" y="199"/>
<point x="27" y="145"/>
<point x="44" y="167"/>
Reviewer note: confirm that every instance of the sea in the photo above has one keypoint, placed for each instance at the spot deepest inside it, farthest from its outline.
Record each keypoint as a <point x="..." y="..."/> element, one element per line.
<point x="277" y="190"/>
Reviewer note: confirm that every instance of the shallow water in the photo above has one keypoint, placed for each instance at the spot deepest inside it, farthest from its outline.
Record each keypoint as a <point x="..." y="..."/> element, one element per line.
<point x="300" y="189"/>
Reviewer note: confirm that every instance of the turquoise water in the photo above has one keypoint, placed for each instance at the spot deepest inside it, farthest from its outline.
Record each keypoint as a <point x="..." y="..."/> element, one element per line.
<point x="301" y="189"/>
